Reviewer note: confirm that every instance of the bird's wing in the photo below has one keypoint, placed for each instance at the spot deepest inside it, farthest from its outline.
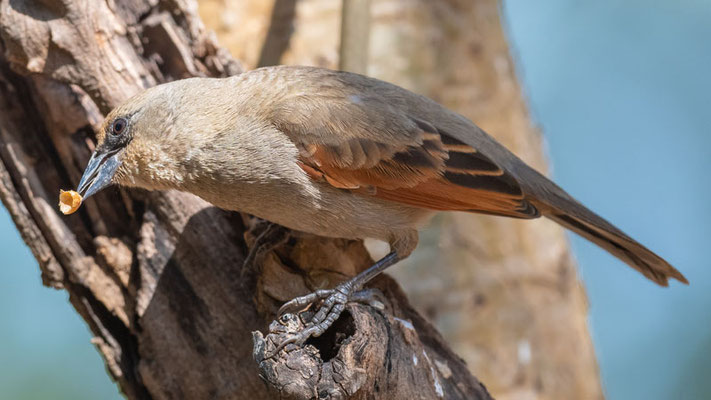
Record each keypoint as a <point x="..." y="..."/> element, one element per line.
<point x="374" y="148"/>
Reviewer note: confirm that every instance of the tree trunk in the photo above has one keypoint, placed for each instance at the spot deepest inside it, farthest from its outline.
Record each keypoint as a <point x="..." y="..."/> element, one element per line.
<point x="504" y="293"/>
<point x="157" y="275"/>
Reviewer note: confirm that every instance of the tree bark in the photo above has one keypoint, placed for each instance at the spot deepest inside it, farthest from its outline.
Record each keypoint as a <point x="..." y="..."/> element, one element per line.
<point x="157" y="275"/>
<point x="504" y="293"/>
<point x="355" y="35"/>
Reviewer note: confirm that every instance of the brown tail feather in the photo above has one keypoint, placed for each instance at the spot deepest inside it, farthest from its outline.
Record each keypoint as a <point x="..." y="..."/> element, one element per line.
<point x="589" y="225"/>
<point x="556" y="204"/>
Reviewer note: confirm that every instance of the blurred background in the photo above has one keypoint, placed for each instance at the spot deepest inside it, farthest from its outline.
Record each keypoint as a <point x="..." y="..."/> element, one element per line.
<point x="620" y="91"/>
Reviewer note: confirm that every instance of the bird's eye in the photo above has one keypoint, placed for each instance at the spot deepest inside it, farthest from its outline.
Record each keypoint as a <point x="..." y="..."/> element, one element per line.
<point x="119" y="126"/>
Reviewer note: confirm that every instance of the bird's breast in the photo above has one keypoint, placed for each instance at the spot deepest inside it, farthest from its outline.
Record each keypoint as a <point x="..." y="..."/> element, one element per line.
<point x="320" y="209"/>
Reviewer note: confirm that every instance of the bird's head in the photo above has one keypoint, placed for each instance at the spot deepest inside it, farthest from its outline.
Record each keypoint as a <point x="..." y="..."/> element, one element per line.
<point x="144" y="141"/>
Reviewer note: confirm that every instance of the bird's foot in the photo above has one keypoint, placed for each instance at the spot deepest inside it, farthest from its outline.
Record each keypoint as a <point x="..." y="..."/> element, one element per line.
<point x="268" y="236"/>
<point x="333" y="301"/>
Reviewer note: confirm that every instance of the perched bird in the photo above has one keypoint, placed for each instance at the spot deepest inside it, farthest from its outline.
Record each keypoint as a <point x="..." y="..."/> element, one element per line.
<point x="334" y="154"/>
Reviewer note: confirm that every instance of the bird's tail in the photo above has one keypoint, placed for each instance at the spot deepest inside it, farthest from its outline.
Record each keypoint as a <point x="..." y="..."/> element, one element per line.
<point x="568" y="212"/>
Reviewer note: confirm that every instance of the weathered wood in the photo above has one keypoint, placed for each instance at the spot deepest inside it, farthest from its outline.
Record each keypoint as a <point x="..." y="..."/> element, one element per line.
<point x="157" y="275"/>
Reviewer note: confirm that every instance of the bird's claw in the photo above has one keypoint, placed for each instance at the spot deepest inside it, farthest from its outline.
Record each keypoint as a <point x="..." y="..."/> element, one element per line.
<point x="268" y="236"/>
<point x="301" y="302"/>
<point x="333" y="303"/>
<point x="296" y="338"/>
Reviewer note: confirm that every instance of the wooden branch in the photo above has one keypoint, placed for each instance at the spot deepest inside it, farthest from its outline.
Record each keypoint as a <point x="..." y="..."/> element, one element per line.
<point x="157" y="275"/>
<point x="355" y="34"/>
<point x="408" y="358"/>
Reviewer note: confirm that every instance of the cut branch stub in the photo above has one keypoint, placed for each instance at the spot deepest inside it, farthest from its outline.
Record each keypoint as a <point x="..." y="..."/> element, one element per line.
<point x="383" y="349"/>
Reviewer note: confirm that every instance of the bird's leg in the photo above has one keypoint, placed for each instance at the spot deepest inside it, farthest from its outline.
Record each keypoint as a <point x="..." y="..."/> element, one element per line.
<point x="334" y="302"/>
<point x="271" y="237"/>
<point x="371" y="297"/>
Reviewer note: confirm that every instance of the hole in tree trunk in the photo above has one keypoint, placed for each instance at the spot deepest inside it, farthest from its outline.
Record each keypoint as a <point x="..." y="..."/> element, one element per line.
<point x="336" y="336"/>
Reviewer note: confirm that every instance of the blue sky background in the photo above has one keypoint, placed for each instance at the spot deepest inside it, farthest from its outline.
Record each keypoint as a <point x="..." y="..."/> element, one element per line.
<point x="622" y="90"/>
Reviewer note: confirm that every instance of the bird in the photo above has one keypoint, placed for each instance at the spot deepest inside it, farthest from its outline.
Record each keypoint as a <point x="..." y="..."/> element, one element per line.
<point x="335" y="154"/>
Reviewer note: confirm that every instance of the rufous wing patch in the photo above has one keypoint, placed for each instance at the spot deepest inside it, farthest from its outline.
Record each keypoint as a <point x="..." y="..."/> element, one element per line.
<point x="363" y="162"/>
<point x="434" y="171"/>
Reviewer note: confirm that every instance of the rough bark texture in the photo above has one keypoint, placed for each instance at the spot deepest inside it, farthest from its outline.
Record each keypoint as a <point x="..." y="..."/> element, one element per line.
<point x="504" y="293"/>
<point x="157" y="275"/>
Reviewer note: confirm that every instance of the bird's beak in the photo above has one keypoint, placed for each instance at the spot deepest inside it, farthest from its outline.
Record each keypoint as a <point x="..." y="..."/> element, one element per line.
<point x="99" y="172"/>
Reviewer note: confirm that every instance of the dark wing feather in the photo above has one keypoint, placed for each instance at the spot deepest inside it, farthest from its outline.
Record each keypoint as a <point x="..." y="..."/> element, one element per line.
<point x="469" y="181"/>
